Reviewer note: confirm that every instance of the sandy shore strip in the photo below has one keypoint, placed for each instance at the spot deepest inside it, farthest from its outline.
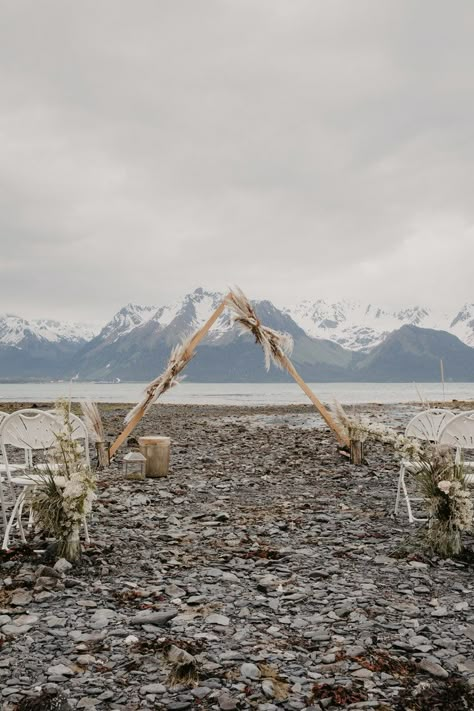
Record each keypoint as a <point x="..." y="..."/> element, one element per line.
<point x="265" y="572"/>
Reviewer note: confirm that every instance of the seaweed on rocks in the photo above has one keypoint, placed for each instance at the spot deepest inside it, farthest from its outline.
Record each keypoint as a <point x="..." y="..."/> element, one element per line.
<point x="378" y="660"/>
<point x="338" y="694"/>
<point x="163" y="645"/>
<point x="453" y="694"/>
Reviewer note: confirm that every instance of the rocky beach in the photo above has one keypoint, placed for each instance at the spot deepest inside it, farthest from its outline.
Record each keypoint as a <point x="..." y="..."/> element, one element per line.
<point x="264" y="572"/>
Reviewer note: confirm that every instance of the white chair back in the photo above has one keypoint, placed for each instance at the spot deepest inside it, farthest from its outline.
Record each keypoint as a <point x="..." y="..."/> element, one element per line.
<point x="429" y="424"/>
<point x="459" y="432"/>
<point x="29" y="429"/>
<point x="2" y="416"/>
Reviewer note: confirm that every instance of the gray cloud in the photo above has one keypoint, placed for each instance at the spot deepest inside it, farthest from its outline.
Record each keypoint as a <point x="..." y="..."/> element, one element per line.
<point x="300" y="149"/>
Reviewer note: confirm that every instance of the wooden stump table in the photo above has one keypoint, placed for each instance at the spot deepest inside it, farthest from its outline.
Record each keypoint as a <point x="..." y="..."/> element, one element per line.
<point x="156" y="451"/>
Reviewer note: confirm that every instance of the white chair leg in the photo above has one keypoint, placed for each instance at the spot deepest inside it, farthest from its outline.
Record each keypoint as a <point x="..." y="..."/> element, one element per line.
<point x="4" y="508"/>
<point x="407" y="498"/>
<point x="31" y="519"/>
<point x="18" y="505"/>
<point x="399" y="489"/>
<point x="19" y="515"/>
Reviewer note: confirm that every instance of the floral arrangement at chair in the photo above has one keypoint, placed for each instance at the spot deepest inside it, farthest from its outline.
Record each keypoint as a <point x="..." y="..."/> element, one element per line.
<point x="63" y="497"/>
<point x="441" y="478"/>
<point x="450" y="506"/>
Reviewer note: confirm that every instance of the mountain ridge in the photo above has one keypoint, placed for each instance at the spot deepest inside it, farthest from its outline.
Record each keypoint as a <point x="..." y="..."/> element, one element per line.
<point x="135" y="343"/>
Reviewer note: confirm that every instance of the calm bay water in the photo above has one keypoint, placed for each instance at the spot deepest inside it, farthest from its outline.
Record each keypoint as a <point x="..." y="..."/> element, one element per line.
<point x="238" y="393"/>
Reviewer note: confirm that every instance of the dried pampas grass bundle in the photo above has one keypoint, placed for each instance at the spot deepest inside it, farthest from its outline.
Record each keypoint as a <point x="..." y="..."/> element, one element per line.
<point x="93" y="420"/>
<point x="179" y="358"/>
<point x="277" y="346"/>
<point x="95" y="427"/>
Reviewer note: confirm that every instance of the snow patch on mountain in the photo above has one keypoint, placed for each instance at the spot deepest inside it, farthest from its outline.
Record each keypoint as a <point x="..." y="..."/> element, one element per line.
<point x="204" y="303"/>
<point x="15" y="331"/>
<point x="359" y="326"/>
<point x="196" y="308"/>
<point x="166" y="314"/>
<point x="462" y="324"/>
<point x="125" y="320"/>
<point x="351" y="324"/>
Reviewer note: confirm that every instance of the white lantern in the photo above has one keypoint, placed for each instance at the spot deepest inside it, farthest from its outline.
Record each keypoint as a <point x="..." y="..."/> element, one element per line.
<point x="134" y="465"/>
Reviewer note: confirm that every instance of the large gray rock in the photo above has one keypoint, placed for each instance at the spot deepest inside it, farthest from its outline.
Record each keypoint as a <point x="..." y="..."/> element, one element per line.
<point x="153" y="618"/>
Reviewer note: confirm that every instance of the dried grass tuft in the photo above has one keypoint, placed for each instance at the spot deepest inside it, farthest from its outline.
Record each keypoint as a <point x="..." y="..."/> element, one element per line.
<point x="279" y="686"/>
<point x="95" y="427"/>
<point x="93" y="420"/>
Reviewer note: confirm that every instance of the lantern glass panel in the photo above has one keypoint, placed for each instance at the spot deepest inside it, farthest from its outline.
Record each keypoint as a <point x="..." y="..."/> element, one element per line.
<point x="134" y="465"/>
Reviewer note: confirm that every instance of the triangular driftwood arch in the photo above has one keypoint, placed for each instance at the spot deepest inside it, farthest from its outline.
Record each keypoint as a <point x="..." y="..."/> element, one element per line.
<point x="271" y="342"/>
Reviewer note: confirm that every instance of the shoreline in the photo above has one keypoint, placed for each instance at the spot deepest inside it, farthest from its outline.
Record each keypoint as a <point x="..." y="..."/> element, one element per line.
<point x="303" y="408"/>
<point x="229" y="394"/>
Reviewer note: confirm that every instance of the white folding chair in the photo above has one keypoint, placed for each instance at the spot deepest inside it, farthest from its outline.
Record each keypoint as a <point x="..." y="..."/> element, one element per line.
<point x="31" y="431"/>
<point x="13" y="466"/>
<point x="459" y="433"/>
<point x="426" y="426"/>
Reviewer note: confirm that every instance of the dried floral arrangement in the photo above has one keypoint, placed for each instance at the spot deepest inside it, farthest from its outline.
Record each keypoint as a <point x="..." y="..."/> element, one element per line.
<point x="64" y="489"/>
<point x="442" y="481"/>
<point x="179" y="359"/>
<point x="360" y="429"/>
<point x="95" y="428"/>
<point x="277" y="346"/>
<point x="441" y="478"/>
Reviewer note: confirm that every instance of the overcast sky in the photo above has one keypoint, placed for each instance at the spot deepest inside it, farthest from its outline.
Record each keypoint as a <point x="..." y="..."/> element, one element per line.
<point x="298" y="148"/>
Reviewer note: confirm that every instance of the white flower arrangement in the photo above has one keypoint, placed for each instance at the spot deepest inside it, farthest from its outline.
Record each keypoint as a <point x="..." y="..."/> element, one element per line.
<point x="444" y="486"/>
<point x="442" y="480"/>
<point x="65" y="494"/>
<point x="361" y="428"/>
<point x="450" y="505"/>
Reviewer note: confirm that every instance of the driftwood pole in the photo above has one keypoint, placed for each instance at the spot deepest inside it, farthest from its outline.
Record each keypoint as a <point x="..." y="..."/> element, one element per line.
<point x="102" y="455"/>
<point x="195" y="340"/>
<point x="325" y="414"/>
<point x="357" y="452"/>
<point x="276" y="346"/>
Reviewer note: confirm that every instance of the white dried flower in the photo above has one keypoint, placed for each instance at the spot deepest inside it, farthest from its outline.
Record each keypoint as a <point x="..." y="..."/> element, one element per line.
<point x="74" y="499"/>
<point x="445" y="486"/>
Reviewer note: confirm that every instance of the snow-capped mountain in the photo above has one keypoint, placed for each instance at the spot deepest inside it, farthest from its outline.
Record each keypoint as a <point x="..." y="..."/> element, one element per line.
<point x="190" y="313"/>
<point x="181" y="317"/>
<point x="125" y="320"/>
<point x="39" y="348"/>
<point x="145" y="348"/>
<point x="15" y="330"/>
<point x="360" y="327"/>
<point x="462" y="325"/>
<point x="342" y="340"/>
